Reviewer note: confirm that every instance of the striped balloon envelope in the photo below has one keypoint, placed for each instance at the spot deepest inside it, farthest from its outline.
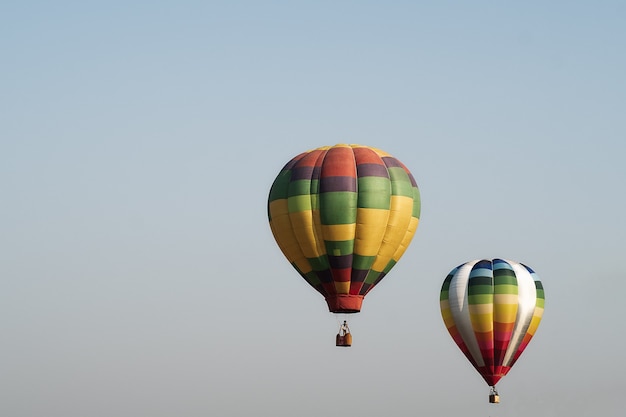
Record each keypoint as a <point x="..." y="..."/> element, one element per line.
<point x="492" y="309"/>
<point x="343" y="216"/>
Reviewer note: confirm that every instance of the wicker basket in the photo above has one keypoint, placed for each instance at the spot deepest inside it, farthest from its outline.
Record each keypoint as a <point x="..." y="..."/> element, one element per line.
<point x="345" y="340"/>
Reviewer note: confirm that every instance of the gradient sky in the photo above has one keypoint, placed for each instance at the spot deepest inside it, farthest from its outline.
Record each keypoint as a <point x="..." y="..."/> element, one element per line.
<point x="138" y="143"/>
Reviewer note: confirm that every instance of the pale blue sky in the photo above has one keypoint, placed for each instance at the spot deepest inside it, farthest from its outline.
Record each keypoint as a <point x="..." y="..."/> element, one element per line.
<point x="138" y="143"/>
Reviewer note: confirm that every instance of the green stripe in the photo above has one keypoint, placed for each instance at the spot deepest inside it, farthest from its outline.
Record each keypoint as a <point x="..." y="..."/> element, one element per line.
<point x="500" y="279"/>
<point x="371" y="277"/>
<point x="480" y="299"/>
<point x="502" y="272"/>
<point x="374" y="192"/>
<point x="362" y="262"/>
<point x="505" y="289"/>
<point x="479" y="289"/>
<point x="315" y="187"/>
<point x="338" y="207"/>
<point x="478" y="280"/>
<point x="280" y="186"/>
<point x="540" y="294"/>
<point x="446" y="283"/>
<point x="299" y="203"/>
<point x="319" y="264"/>
<point x="300" y="187"/>
<point x="339" y="248"/>
<point x="417" y="203"/>
<point x="400" y="182"/>
<point x="311" y="278"/>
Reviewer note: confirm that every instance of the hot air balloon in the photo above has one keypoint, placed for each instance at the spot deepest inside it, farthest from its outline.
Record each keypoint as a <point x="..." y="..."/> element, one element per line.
<point x="343" y="216"/>
<point x="492" y="309"/>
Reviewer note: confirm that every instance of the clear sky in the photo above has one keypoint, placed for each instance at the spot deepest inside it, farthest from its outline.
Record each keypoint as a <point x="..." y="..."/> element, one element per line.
<point x="138" y="143"/>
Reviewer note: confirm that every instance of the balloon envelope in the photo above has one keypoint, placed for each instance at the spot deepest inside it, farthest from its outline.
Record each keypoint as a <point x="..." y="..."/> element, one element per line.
<point x="492" y="309"/>
<point x="343" y="216"/>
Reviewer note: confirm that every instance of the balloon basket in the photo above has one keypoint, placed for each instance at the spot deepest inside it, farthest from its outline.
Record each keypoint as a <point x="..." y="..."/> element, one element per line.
<point x="494" y="398"/>
<point x="343" y="341"/>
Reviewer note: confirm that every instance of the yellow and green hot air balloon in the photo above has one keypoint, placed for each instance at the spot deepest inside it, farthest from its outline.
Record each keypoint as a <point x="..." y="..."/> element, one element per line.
<point x="343" y="216"/>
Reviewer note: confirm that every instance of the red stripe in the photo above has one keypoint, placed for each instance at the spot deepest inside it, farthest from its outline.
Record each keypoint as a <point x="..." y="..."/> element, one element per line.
<point x="342" y="275"/>
<point x="355" y="287"/>
<point x="367" y="156"/>
<point x="311" y="159"/>
<point x="339" y="162"/>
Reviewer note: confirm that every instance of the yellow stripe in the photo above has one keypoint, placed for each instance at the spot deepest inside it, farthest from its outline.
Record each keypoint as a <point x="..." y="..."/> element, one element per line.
<point x="370" y="230"/>
<point x="338" y="232"/>
<point x="482" y="322"/>
<point x="286" y="239"/>
<point x="342" y="287"/>
<point x="296" y="244"/>
<point x="534" y="324"/>
<point x="446" y="313"/>
<point x="400" y="215"/>
<point x="277" y="207"/>
<point x="281" y="228"/>
<point x="304" y="225"/>
<point x="302" y="202"/>
<point x="504" y="313"/>
<point x="408" y="236"/>
<point x="303" y="265"/>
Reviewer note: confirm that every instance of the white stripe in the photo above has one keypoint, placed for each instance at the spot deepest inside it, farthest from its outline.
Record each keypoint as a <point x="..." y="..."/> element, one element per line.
<point x="457" y="297"/>
<point x="527" y="299"/>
